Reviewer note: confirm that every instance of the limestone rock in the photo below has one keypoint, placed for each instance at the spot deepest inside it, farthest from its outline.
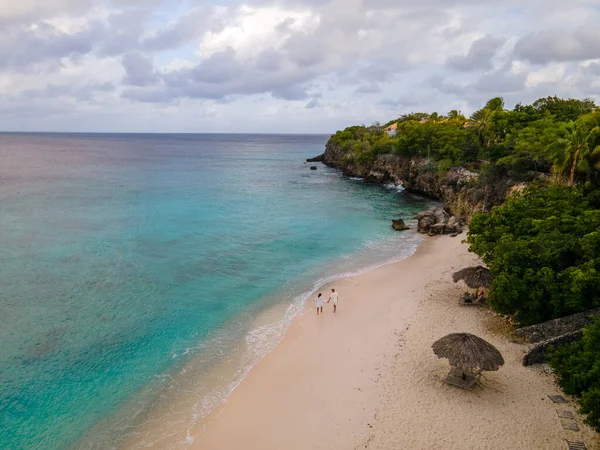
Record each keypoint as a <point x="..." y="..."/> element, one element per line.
<point x="425" y="223"/>
<point x="399" y="225"/>
<point x="438" y="221"/>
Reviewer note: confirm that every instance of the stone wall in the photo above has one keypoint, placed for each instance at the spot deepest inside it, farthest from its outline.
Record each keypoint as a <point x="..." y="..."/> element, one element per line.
<point x="556" y="327"/>
<point x="539" y="352"/>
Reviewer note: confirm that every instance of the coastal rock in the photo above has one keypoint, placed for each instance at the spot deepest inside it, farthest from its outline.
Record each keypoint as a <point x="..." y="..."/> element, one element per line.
<point x="437" y="228"/>
<point x="425" y="223"/>
<point x="315" y="159"/>
<point x="458" y="189"/>
<point x="438" y="221"/>
<point x="454" y="225"/>
<point x="399" y="225"/>
<point x="313" y="167"/>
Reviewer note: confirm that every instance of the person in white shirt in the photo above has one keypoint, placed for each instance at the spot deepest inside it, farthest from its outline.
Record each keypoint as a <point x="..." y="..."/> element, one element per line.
<point x="319" y="304"/>
<point x="334" y="297"/>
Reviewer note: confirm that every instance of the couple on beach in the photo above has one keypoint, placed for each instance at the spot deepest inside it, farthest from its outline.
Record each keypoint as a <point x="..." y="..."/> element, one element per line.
<point x="320" y="298"/>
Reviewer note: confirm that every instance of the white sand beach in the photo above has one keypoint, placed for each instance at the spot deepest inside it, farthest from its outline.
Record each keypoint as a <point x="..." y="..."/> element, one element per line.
<point x="367" y="377"/>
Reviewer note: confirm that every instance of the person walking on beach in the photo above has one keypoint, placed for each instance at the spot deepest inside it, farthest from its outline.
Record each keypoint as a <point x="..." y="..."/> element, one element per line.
<point x="319" y="304"/>
<point x="334" y="297"/>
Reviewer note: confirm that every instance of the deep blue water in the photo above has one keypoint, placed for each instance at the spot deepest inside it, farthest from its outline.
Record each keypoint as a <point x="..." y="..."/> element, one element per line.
<point x="119" y="253"/>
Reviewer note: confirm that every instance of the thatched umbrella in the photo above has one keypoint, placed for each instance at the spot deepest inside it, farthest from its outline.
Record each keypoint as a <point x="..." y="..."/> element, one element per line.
<point x="468" y="353"/>
<point x="474" y="277"/>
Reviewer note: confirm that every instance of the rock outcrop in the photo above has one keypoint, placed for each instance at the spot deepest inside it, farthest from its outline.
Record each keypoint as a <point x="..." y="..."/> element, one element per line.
<point x="315" y="159"/>
<point x="399" y="225"/>
<point x="438" y="221"/>
<point x="458" y="189"/>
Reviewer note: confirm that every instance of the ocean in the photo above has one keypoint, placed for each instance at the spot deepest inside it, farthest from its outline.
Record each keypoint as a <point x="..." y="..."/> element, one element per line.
<point x="134" y="265"/>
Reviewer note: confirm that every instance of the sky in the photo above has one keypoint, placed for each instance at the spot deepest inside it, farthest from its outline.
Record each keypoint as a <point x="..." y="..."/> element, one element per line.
<point x="283" y="66"/>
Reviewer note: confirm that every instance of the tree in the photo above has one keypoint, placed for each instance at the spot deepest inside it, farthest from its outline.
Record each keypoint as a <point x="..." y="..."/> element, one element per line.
<point x="564" y="110"/>
<point x="573" y="153"/>
<point x="543" y="248"/>
<point x="577" y="367"/>
<point x="479" y="122"/>
<point x="495" y="104"/>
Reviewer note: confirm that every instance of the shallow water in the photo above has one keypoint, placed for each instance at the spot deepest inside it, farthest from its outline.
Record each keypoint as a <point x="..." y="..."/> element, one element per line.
<point x="129" y="258"/>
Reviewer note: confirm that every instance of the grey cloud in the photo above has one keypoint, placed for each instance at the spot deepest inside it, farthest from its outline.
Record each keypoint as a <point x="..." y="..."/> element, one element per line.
<point x="139" y="70"/>
<point x="222" y="75"/>
<point x="406" y="100"/>
<point x="446" y="86"/>
<point x="83" y="93"/>
<point x="559" y="45"/>
<point x="314" y="103"/>
<point x="147" y="95"/>
<point x="189" y="26"/>
<point x="372" y="88"/>
<point x="500" y="82"/>
<point x="24" y="47"/>
<point x="479" y="55"/>
<point x="269" y="61"/>
<point x="294" y="92"/>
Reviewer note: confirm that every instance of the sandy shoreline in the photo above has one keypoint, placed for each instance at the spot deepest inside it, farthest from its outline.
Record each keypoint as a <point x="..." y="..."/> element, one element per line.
<point x="367" y="378"/>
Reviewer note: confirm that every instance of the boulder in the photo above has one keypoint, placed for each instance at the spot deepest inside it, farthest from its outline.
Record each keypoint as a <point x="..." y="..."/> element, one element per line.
<point x="425" y="223"/>
<point x="438" y="221"/>
<point x="422" y="214"/>
<point x="313" y="167"/>
<point x="438" y="228"/>
<point x="399" y="225"/>
<point x="454" y="225"/>
<point x="441" y="216"/>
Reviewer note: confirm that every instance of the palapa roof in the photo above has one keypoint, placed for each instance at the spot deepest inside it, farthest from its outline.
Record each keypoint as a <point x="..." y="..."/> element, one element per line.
<point x="468" y="352"/>
<point x="474" y="277"/>
<point x="392" y="127"/>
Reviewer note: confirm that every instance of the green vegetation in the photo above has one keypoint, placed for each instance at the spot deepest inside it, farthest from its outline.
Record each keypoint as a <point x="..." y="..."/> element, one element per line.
<point x="577" y="367"/>
<point x="552" y="136"/>
<point x="543" y="248"/>
<point x="543" y="244"/>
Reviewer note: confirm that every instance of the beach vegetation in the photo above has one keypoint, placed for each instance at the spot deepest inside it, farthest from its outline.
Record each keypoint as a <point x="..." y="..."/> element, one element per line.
<point x="577" y="367"/>
<point x="543" y="248"/>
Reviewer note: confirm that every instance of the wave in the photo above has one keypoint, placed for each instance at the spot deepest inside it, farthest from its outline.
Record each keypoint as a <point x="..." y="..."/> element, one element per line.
<point x="395" y="187"/>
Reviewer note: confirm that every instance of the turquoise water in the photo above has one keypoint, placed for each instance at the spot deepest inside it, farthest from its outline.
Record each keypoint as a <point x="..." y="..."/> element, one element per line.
<point x="120" y="253"/>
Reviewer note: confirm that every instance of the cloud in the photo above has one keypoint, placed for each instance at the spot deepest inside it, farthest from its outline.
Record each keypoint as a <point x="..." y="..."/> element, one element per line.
<point x="559" y="45"/>
<point x="500" y="82"/>
<point x="479" y="56"/>
<point x="372" y="88"/>
<point x="264" y="61"/>
<point x="139" y="70"/>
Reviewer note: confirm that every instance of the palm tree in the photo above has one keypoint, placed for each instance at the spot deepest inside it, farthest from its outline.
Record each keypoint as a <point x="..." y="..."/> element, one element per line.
<point x="575" y="151"/>
<point x="495" y="104"/>
<point x="480" y="121"/>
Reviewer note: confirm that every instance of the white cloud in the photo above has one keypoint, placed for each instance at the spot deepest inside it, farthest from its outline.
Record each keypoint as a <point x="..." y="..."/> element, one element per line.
<point x="250" y="30"/>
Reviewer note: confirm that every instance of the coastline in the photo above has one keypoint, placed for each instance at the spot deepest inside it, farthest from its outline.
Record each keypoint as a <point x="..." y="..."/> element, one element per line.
<point x="191" y="393"/>
<point x="367" y="378"/>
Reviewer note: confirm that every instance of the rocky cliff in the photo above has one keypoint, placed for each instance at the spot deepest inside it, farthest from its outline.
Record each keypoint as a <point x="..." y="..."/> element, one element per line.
<point x="458" y="189"/>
